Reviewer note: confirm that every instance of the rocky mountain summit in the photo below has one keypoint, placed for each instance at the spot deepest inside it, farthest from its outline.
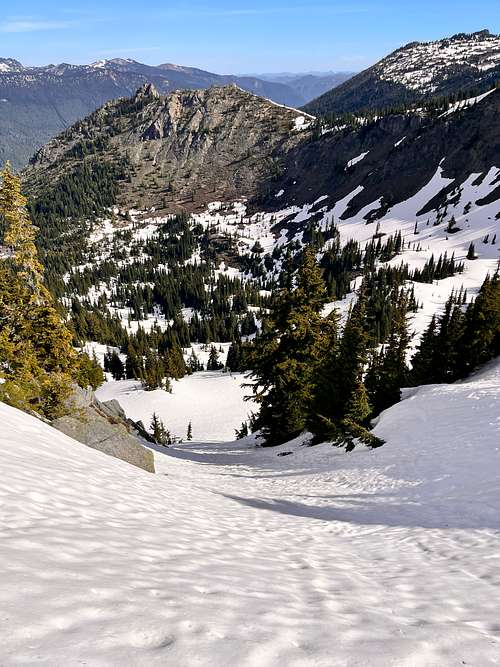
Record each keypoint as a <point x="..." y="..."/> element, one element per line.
<point x="183" y="149"/>
<point x="189" y="148"/>
<point x="37" y="103"/>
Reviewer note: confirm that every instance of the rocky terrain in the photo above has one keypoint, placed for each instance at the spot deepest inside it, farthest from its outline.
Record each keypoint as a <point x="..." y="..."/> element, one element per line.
<point x="183" y="149"/>
<point x="37" y="103"/>
<point x="416" y="71"/>
<point x="103" y="425"/>
<point x="189" y="148"/>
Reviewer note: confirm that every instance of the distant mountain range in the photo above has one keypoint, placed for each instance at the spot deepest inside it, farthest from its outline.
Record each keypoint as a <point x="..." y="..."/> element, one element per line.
<point x="417" y="71"/>
<point x="36" y="103"/>
<point x="308" y="85"/>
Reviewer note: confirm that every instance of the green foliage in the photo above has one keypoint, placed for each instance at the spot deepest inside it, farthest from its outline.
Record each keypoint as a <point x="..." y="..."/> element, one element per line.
<point x="37" y="361"/>
<point x="286" y="354"/>
<point x="458" y="342"/>
<point x="89" y="372"/>
<point x="159" y="432"/>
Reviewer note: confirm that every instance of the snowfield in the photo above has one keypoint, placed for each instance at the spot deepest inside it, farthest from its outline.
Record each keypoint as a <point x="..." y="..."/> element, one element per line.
<point x="232" y="555"/>
<point x="211" y="400"/>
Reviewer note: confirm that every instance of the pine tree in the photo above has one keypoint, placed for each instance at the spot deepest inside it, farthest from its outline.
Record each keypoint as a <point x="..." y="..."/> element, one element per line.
<point x="424" y="370"/>
<point x="189" y="435"/>
<point x="471" y="252"/>
<point x="37" y="360"/>
<point x="159" y="432"/>
<point x="340" y="405"/>
<point x="114" y="365"/>
<point x="134" y="369"/>
<point x="285" y="355"/>
<point x="213" y="363"/>
<point x="388" y="371"/>
<point x="20" y="233"/>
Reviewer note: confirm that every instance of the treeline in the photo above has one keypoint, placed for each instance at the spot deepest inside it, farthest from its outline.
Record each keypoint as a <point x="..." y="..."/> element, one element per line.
<point x="430" y="108"/>
<point x="459" y="340"/>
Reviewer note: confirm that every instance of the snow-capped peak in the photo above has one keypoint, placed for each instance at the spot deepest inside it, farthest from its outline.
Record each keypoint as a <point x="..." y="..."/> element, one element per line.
<point x="422" y="66"/>
<point x="10" y="65"/>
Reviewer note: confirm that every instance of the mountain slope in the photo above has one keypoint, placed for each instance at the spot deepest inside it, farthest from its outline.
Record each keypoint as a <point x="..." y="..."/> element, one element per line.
<point x="416" y="71"/>
<point x="237" y="556"/>
<point x="187" y="147"/>
<point x="36" y="103"/>
<point x="387" y="161"/>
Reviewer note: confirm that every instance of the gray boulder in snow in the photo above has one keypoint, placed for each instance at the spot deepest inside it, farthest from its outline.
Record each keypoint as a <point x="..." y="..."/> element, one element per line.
<point x="104" y="426"/>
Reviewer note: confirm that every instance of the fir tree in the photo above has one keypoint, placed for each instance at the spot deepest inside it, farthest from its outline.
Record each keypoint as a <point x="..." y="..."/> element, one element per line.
<point x="159" y="432"/>
<point x="285" y="356"/>
<point x="37" y="360"/>
<point x="189" y="435"/>
<point x="388" y="371"/>
<point x="213" y="363"/>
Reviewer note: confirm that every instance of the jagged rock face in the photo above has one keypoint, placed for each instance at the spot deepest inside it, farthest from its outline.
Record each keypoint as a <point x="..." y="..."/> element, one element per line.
<point x="415" y="71"/>
<point x="37" y="103"/>
<point x="105" y="428"/>
<point x="184" y="149"/>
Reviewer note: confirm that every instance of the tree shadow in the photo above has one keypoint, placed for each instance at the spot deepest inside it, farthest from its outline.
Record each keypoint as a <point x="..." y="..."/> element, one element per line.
<point x="378" y="510"/>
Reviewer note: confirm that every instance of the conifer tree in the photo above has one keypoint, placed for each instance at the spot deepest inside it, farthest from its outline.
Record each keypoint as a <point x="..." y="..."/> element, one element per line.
<point x="20" y="233"/>
<point x="340" y="405"/>
<point x="213" y="363"/>
<point x="286" y="354"/>
<point x="388" y="371"/>
<point x="159" y="432"/>
<point x="37" y="361"/>
<point x="189" y="435"/>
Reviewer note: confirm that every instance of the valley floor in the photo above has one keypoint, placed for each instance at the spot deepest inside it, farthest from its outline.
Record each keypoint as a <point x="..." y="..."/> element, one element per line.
<point x="233" y="555"/>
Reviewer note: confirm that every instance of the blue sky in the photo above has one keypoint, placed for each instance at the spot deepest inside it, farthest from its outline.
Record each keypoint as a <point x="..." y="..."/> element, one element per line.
<point x="234" y="37"/>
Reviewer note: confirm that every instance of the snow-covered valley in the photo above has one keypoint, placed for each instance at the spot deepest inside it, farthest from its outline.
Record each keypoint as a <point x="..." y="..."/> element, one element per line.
<point x="233" y="555"/>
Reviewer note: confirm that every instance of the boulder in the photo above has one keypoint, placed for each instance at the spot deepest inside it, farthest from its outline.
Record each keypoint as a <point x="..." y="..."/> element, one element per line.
<point x="104" y="426"/>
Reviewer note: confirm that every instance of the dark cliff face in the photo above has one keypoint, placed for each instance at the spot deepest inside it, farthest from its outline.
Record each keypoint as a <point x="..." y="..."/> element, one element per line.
<point x="403" y="153"/>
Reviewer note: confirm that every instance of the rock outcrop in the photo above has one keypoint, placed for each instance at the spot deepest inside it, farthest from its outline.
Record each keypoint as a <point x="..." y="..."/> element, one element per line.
<point x="105" y="427"/>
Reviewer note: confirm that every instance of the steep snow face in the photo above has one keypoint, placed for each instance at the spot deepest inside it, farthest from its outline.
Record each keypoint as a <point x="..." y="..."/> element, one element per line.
<point x="422" y="66"/>
<point x="235" y="556"/>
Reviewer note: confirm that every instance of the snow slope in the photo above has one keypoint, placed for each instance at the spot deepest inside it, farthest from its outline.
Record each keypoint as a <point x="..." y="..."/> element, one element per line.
<point x="235" y="556"/>
<point x="212" y="401"/>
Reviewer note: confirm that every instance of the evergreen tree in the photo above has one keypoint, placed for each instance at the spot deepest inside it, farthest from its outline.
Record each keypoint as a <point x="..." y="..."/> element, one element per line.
<point x="159" y="432"/>
<point x="286" y="354"/>
<point x="388" y="371"/>
<point x="37" y="360"/>
<point x="20" y="233"/>
<point x="189" y="435"/>
<point x="89" y="373"/>
<point x="213" y="363"/>
<point x="340" y="404"/>
<point x="424" y="370"/>
<point x="114" y="365"/>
